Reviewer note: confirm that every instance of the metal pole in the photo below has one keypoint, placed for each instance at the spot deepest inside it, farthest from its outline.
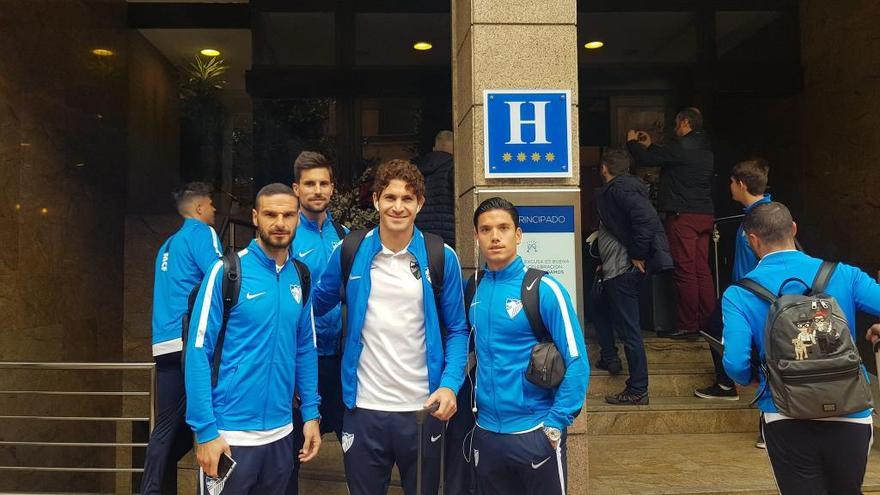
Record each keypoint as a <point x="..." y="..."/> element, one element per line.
<point x="716" y="236"/>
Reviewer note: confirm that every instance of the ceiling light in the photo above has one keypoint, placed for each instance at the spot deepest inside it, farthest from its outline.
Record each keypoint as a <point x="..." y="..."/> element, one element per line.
<point x="44" y="210"/>
<point x="210" y="52"/>
<point x="592" y="45"/>
<point x="422" y="46"/>
<point x="102" y="52"/>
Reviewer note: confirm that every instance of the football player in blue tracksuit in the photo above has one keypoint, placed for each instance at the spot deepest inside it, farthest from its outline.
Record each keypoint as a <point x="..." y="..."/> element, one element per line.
<point x="807" y="456"/>
<point x="748" y="184"/>
<point x="316" y="237"/>
<point x="395" y="358"/>
<point x="268" y="355"/>
<point x="520" y="442"/>
<point x="182" y="262"/>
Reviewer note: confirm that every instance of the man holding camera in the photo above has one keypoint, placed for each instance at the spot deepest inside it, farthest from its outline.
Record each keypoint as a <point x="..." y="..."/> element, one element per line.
<point x="520" y="442"/>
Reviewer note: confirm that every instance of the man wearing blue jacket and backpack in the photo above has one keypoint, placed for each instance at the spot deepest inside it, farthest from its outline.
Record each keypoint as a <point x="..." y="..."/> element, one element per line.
<point x="823" y="450"/>
<point x="405" y="343"/>
<point x="520" y="441"/>
<point x="241" y="404"/>
<point x="181" y="264"/>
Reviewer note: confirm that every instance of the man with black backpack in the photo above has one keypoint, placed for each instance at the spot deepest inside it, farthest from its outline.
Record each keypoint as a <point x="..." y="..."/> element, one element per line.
<point x="532" y="368"/>
<point x="181" y="264"/>
<point x="250" y="348"/>
<point x="317" y="235"/>
<point x="405" y="340"/>
<point x="814" y="397"/>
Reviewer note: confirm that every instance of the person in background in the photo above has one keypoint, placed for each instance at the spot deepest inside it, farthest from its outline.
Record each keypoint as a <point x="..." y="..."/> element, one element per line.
<point x="438" y="214"/>
<point x="182" y="262"/>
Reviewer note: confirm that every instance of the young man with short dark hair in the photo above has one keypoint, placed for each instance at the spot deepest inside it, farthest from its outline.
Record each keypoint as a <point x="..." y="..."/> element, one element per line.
<point x="520" y="441"/>
<point x="826" y="455"/>
<point x="631" y="244"/>
<point x="748" y="186"/>
<point x="181" y="264"/>
<point x="396" y="360"/>
<point x="317" y="235"/>
<point x="241" y="404"/>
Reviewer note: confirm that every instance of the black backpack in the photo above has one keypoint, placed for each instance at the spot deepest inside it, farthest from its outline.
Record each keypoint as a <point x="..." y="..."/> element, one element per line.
<point x="811" y="364"/>
<point x="231" y="288"/>
<point x="546" y="366"/>
<point x="436" y="270"/>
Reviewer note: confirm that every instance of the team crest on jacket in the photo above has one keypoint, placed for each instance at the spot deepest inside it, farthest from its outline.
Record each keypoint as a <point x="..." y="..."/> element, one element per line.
<point x="296" y="292"/>
<point x="513" y="307"/>
<point x="347" y="440"/>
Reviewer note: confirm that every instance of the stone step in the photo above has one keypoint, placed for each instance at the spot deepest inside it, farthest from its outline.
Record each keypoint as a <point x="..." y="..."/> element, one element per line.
<point x="667" y="415"/>
<point x="674" y="380"/>
<point x="662" y="351"/>
<point x="688" y="464"/>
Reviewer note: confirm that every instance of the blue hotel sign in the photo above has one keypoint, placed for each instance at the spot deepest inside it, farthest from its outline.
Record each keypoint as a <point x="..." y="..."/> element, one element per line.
<point x="527" y="133"/>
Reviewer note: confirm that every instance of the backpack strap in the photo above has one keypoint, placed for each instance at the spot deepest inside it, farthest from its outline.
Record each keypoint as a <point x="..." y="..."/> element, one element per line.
<point x="305" y="279"/>
<point x="823" y="276"/>
<point x="756" y="289"/>
<point x="529" y="294"/>
<point x="470" y="290"/>
<point x="231" y="288"/>
<point x="436" y="266"/>
<point x="340" y="230"/>
<point x="350" y="245"/>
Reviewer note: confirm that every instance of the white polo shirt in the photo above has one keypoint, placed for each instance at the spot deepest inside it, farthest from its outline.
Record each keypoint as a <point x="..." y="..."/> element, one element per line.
<point x="393" y="368"/>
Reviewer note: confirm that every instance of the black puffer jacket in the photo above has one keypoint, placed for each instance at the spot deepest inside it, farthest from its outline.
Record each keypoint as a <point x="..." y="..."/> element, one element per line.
<point x="626" y="211"/>
<point x="438" y="214"/>
<point x="687" y="165"/>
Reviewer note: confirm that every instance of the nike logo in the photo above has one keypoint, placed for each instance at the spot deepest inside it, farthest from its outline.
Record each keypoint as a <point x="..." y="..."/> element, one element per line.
<point x="250" y="296"/>
<point x="536" y="466"/>
<point x="475" y="303"/>
<point x="529" y="287"/>
<point x="434" y="439"/>
<point x="354" y="277"/>
<point x="303" y="254"/>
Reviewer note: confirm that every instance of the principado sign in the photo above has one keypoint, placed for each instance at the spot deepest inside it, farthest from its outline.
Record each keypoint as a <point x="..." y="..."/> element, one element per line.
<point x="527" y="133"/>
<point x="549" y="242"/>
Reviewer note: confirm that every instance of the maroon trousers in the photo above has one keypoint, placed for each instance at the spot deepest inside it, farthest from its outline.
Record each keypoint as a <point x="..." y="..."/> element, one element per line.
<point x="689" y="235"/>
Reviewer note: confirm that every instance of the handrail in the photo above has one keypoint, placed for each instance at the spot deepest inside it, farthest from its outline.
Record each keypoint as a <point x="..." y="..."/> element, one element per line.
<point x="73" y="367"/>
<point x="716" y="236"/>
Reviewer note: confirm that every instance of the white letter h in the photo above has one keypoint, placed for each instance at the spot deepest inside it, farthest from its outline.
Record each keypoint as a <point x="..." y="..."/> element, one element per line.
<point x="516" y="122"/>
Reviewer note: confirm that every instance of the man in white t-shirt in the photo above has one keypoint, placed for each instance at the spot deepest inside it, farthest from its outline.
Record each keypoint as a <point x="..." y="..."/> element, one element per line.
<point x="405" y="340"/>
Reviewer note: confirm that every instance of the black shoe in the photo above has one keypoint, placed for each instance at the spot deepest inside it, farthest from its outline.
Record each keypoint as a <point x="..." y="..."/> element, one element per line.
<point x="612" y="367"/>
<point x="717" y="391"/>
<point x="684" y="335"/>
<point x="627" y="398"/>
<point x="664" y="334"/>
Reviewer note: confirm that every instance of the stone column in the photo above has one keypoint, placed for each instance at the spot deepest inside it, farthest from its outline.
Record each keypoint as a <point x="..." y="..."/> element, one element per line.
<point x="510" y="44"/>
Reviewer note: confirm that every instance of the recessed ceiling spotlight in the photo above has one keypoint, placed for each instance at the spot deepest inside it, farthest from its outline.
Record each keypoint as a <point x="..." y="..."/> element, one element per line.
<point x="592" y="45"/>
<point x="102" y="52"/>
<point x="422" y="46"/>
<point x="210" y="52"/>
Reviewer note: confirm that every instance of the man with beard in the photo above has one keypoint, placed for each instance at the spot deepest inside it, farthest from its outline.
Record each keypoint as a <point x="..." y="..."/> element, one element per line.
<point x="243" y="407"/>
<point x="317" y="236"/>
<point x="396" y="360"/>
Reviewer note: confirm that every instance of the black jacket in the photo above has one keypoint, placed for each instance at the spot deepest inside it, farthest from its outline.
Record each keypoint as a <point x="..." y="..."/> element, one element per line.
<point x="438" y="213"/>
<point x="626" y="211"/>
<point x="687" y="165"/>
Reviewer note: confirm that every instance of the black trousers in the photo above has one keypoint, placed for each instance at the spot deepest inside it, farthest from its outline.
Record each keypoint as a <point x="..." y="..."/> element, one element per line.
<point x="521" y="464"/>
<point x="459" y="477"/>
<point x="818" y="457"/>
<point x="171" y="438"/>
<point x="715" y="328"/>
<point x="618" y="307"/>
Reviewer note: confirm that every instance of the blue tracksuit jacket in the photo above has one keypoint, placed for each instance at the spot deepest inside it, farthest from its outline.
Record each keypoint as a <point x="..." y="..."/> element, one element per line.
<point x="181" y="264"/>
<point x="506" y="401"/>
<point x="745" y="313"/>
<point x="268" y="354"/>
<point x="313" y="247"/>
<point x="445" y="369"/>
<point x="744" y="259"/>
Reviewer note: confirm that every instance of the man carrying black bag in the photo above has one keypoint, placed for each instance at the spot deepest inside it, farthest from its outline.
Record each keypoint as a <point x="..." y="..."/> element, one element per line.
<point x="532" y="370"/>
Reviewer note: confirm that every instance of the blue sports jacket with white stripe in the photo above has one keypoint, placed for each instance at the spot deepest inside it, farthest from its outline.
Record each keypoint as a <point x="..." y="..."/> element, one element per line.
<point x="268" y="353"/>
<point x="506" y="401"/>
<point x="181" y="265"/>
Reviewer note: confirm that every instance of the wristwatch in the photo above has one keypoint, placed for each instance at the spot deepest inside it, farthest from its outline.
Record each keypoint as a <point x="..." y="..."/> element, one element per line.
<point x="553" y="434"/>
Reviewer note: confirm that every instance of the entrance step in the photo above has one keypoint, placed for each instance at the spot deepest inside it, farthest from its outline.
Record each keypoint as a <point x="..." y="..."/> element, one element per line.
<point x="662" y="351"/>
<point x="666" y="415"/>
<point x="688" y="464"/>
